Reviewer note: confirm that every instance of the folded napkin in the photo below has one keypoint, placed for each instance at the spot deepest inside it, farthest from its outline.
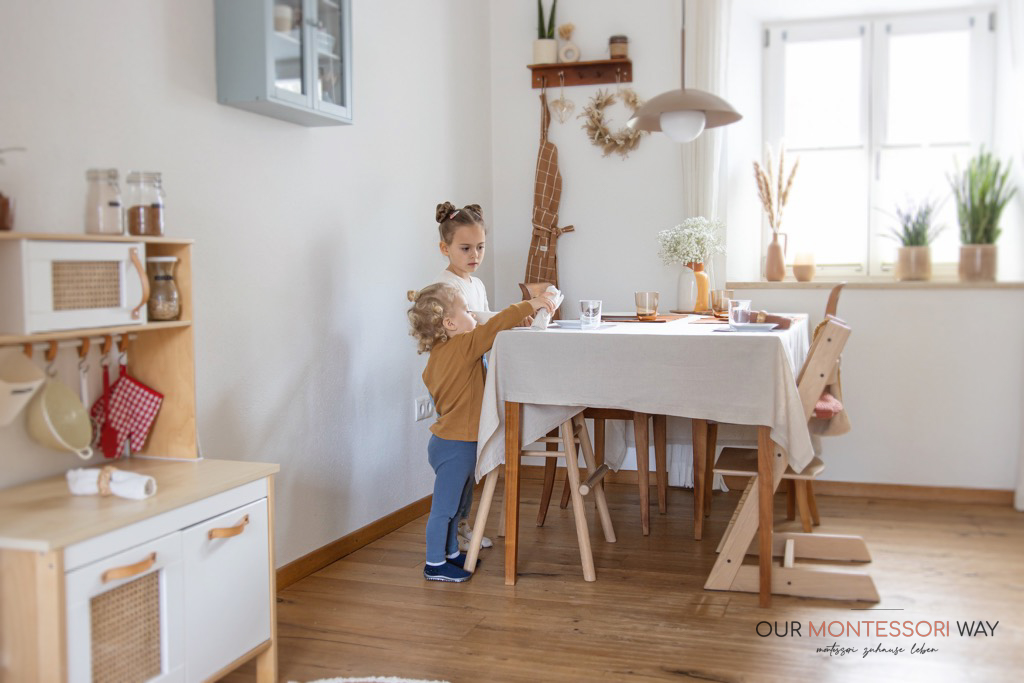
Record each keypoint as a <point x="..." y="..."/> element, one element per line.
<point x="109" y="481"/>
<point x="543" y="317"/>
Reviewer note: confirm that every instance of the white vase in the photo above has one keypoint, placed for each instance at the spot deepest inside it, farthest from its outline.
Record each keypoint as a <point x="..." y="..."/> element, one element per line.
<point x="545" y="51"/>
<point x="686" y="291"/>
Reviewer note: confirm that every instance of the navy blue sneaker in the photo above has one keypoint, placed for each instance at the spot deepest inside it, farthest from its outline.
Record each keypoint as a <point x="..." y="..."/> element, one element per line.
<point x="460" y="561"/>
<point x="445" y="572"/>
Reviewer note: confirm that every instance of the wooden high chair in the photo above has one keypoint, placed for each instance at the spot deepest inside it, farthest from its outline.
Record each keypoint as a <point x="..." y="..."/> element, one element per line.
<point x="573" y="434"/>
<point x="754" y="513"/>
<point x="640" y="436"/>
<point x="799" y="490"/>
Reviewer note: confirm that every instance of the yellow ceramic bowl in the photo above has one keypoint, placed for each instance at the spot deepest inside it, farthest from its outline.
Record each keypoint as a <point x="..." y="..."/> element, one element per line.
<point x="20" y="378"/>
<point x="57" y="419"/>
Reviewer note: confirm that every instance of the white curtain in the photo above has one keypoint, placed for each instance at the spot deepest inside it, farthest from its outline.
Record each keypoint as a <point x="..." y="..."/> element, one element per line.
<point x="1012" y="14"/>
<point x="706" y="30"/>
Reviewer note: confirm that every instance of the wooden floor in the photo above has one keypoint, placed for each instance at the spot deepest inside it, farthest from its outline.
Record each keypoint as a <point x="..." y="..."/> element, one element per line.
<point x="647" y="617"/>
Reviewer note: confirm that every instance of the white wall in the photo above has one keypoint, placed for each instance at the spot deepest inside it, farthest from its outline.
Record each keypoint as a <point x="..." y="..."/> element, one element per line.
<point x="306" y="239"/>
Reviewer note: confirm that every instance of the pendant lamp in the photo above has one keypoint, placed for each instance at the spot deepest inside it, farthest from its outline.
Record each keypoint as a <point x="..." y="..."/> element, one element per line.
<point x="684" y="114"/>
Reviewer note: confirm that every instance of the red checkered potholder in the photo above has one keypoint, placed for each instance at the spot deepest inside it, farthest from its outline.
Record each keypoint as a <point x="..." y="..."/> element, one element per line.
<point x="132" y="408"/>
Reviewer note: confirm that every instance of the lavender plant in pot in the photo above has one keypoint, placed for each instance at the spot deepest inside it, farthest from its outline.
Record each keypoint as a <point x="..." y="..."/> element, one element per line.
<point x="915" y="234"/>
<point x="545" y="48"/>
<point x="982" y="191"/>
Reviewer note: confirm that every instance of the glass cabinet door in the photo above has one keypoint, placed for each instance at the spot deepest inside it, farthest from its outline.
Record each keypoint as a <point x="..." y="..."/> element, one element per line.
<point x="331" y="55"/>
<point x="287" y="42"/>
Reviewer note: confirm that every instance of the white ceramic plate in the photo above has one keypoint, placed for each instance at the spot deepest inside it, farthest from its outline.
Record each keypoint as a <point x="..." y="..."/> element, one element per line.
<point x="753" y="327"/>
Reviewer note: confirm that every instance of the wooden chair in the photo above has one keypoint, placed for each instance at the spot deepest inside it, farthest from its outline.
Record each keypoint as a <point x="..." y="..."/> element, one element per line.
<point x="736" y="461"/>
<point x="573" y="434"/>
<point x="813" y="580"/>
<point x="641" y="437"/>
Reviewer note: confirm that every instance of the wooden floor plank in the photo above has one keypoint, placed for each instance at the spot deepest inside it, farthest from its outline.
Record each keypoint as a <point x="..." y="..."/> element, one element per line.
<point x="647" y="617"/>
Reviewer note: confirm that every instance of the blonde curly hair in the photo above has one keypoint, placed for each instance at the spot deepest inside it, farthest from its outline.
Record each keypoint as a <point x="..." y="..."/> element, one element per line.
<point x="427" y="313"/>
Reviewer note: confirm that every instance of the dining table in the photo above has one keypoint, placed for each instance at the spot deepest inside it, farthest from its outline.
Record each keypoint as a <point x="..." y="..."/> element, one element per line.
<point x="691" y="366"/>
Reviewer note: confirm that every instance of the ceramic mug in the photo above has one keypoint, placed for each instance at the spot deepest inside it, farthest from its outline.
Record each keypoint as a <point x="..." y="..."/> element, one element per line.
<point x="57" y="419"/>
<point x="20" y="378"/>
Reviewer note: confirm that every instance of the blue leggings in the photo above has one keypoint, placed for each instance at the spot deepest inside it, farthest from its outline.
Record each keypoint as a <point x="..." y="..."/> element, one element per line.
<point x="454" y="463"/>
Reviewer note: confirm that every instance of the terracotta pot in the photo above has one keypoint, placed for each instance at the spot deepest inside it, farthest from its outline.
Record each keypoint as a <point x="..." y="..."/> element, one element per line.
<point x="545" y="51"/>
<point x="913" y="263"/>
<point x="775" y="260"/>
<point x="978" y="262"/>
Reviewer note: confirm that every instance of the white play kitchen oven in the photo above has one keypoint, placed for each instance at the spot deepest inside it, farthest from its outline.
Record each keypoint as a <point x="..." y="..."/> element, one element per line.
<point x="51" y="285"/>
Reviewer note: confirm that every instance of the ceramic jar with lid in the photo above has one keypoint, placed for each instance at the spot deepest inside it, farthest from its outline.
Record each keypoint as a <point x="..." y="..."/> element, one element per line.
<point x="145" y="201"/>
<point x="164" y="299"/>
<point x="618" y="47"/>
<point x="103" y="203"/>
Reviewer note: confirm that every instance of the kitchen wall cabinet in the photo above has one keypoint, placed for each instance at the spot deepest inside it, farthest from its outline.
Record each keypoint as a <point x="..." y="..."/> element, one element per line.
<point x="289" y="59"/>
<point x="179" y="587"/>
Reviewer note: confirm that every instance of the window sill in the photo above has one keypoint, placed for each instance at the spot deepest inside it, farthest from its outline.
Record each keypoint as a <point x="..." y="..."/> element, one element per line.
<point x="875" y="284"/>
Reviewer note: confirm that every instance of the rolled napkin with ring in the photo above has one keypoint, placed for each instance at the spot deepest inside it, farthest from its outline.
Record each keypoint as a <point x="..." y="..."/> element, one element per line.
<point x="781" y="322"/>
<point x="110" y="481"/>
<point x="543" y="317"/>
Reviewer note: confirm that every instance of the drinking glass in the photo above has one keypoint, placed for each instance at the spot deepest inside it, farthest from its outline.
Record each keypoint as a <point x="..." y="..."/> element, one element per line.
<point x="646" y="305"/>
<point x="739" y="311"/>
<point x="720" y="301"/>
<point x="590" y="314"/>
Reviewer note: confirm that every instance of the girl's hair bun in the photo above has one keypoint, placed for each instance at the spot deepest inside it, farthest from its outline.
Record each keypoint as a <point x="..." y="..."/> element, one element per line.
<point x="412" y="294"/>
<point x="443" y="210"/>
<point x="475" y="208"/>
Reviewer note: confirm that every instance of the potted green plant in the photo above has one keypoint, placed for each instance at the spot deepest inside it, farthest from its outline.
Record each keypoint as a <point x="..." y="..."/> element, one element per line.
<point x="545" y="48"/>
<point x="982" y="191"/>
<point x="915" y="234"/>
<point x="691" y="244"/>
<point x="7" y="203"/>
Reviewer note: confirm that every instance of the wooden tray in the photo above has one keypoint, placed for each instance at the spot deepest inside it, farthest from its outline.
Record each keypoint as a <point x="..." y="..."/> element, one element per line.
<point x="634" y="319"/>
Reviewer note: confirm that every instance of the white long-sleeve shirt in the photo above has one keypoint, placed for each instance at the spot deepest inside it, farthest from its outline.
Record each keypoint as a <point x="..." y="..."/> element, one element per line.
<point x="473" y="290"/>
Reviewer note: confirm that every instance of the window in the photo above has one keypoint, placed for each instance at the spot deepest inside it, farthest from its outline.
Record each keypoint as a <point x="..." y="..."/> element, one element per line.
<point x="879" y="110"/>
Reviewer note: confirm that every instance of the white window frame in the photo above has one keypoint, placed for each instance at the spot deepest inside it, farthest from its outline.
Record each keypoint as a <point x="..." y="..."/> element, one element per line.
<point x="874" y="105"/>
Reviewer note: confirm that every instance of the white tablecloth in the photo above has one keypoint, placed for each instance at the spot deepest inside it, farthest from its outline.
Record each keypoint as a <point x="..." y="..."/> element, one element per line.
<point x="674" y="368"/>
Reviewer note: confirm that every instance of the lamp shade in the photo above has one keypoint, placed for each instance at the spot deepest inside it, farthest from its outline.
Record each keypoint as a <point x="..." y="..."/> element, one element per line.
<point x="717" y="112"/>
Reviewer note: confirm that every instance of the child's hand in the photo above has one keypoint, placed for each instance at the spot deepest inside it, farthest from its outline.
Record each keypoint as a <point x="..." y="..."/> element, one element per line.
<point x="543" y="301"/>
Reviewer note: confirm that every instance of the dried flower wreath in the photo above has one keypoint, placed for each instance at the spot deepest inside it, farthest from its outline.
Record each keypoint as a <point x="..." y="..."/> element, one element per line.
<point x="624" y="140"/>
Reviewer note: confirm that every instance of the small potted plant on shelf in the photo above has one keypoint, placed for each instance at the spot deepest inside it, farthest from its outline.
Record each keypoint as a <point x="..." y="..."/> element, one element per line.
<point x="915" y="234"/>
<point x="7" y="203"/>
<point x="691" y="244"/>
<point x="982" y="191"/>
<point x="545" y="48"/>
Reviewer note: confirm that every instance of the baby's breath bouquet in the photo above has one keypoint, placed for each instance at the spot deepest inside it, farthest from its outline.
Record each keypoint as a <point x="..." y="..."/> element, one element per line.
<point x="694" y="240"/>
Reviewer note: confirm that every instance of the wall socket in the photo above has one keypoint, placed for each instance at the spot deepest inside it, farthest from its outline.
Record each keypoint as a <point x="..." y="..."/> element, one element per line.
<point x="423" y="408"/>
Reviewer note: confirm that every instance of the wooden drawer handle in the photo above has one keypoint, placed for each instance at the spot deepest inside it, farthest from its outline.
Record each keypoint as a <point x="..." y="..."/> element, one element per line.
<point x="141" y="270"/>
<point x="230" y="531"/>
<point x="129" y="570"/>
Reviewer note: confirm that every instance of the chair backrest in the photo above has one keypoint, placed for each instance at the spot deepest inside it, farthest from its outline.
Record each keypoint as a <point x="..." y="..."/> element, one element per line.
<point x="822" y="361"/>
<point x="532" y="290"/>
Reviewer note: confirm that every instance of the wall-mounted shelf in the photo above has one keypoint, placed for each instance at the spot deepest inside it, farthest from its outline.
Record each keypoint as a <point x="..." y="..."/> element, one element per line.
<point x="594" y="72"/>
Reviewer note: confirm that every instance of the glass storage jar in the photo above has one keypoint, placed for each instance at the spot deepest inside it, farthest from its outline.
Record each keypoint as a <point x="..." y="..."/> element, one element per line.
<point x="103" y="203"/>
<point x="164" y="300"/>
<point x="145" y="204"/>
<point x="618" y="47"/>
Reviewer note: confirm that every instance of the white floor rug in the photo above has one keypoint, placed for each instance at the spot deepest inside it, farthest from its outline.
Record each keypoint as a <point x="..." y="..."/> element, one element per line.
<point x="374" y="679"/>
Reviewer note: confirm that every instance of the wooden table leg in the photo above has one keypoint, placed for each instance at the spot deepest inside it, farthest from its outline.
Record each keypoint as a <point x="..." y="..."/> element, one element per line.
<point x="512" y="445"/>
<point x="700" y="441"/>
<point x="709" y="466"/>
<point x="660" y="460"/>
<point x="765" y="521"/>
<point x="643" y="467"/>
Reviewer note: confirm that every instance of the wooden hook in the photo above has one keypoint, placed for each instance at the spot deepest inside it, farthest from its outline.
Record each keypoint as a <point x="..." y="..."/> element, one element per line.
<point x="122" y="343"/>
<point x="83" y="350"/>
<point x="108" y="341"/>
<point x="51" y="352"/>
<point x="27" y="349"/>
